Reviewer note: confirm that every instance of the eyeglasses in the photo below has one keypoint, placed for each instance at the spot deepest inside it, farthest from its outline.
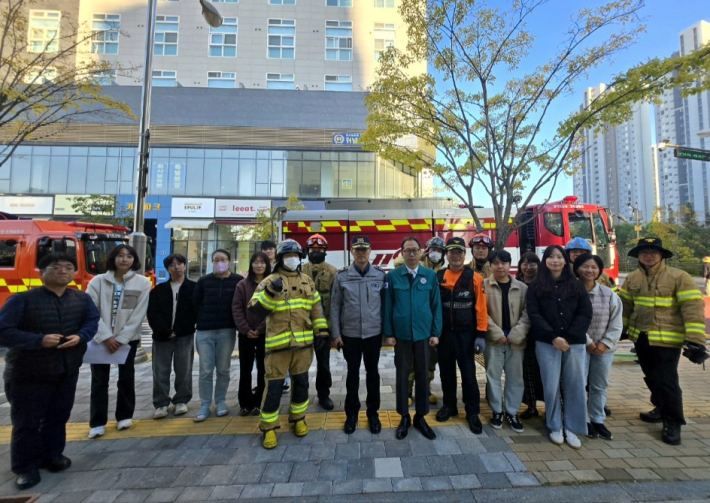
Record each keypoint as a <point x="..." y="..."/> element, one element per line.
<point x="411" y="251"/>
<point x="477" y="240"/>
<point x="217" y="260"/>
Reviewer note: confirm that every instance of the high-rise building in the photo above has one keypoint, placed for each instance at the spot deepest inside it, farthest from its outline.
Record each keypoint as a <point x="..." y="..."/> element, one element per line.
<point x="615" y="166"/>
<point x="684" y="182"/>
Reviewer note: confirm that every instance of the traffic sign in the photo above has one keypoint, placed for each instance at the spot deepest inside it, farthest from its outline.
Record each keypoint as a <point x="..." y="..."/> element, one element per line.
<point x="694" y="154"/>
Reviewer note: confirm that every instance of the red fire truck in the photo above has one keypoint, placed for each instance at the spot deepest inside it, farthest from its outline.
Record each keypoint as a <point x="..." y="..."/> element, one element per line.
<point x="548" y="224"/>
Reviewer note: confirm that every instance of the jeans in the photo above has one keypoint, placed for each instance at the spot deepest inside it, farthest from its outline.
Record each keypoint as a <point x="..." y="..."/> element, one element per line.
<point x="458" y="348"/>
<point x="408" y="355"/>
<point x="503" y="358"/>
<point x="39" y="411"/>
<point x="126" y="400"/>
<point x="177" y="353"/>
<point x="356" y="350"/>
<point x="570" y="367"/>
<point x="250" y="350"/>
<point x="215" y="349"/>
<point x="598" y="369"/>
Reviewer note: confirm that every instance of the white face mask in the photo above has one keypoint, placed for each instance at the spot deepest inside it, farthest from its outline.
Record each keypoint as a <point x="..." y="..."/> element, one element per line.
<point x="434" y="256"/>
<point x="291" y="263"/>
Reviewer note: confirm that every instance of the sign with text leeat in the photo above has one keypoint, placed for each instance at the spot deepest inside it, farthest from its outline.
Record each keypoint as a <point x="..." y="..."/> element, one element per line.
<point x="240" y="208"/>
<point x="192" y="207"/>
<point x="27" y="205"/>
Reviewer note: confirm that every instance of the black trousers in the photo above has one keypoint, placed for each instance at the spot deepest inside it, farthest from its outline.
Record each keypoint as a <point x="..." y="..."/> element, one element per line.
<point x="660" y="370"/>
<point x="324" y="381"/>
<point x="39" y="410"/>
<point x="355" y="350"/>
<point x="250" y="350"/>
<point x="412" y="355"/>
<point x="459" y="348"/>
<point x="126" y="400"/>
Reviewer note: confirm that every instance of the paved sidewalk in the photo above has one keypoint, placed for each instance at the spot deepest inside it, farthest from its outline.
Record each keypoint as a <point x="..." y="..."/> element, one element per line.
<point x="175" y="459"/>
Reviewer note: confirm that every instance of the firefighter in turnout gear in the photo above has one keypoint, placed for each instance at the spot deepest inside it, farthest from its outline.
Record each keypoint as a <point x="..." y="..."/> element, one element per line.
<point x="663" y="310"/>
<point x="481" y="246"/>
<point x="294" y="326"/>
<point x="579" y="246"/>
<point x="323" y="275"/>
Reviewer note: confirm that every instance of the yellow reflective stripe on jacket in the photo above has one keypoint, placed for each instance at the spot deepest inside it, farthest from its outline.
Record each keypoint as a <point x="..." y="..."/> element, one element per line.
<point x="320" y="323"/>
<point x="265" y="301"/>
<point x="316" y="298"/>
<point x="658" y="335"/>
<point x="689" y="295"/>
<point x="299" y="408"/>
<point x="277" y="340"/>
<point x="304" y="337"/>
<point x="625" y="294"/>
<point x="695" y="327"/>
<point x="652" y="301"/>
<point x="269" y="417"/>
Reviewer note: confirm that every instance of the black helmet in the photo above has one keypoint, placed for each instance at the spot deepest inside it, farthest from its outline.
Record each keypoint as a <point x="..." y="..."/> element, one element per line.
<point x="435" y="242"/>
<point x="288" y="246"/>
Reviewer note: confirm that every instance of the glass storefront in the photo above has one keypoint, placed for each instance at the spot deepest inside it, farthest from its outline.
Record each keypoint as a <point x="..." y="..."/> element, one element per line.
<point x="207" y="172"/>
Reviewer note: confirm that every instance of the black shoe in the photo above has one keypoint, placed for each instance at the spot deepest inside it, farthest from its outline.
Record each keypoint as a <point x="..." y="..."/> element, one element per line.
<point x="529" y="413"/>
<point x="27" y="480"/>
<point x="350" y="424"/>
<point x="375" y="424"/>
<point x="652" y="416"/>
<point x="602" y="431"/>
<point x="445" y="413"/>
<point x="244" y="411"/>
<point x="58" y="465"/>
<point x="326" y="403"/>
<point x="496" y="420"/>
<point x="607" y="411"/>
<point x="515" y="423"/>
<point x="421" y="425"/>
<point x="403" y="427"/>
<point x="591" y="431"/>
<point x="474" y="424"/>
<point x="671" y="434"/>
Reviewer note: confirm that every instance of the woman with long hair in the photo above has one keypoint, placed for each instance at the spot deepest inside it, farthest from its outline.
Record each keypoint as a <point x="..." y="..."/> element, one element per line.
<point x="121" y="295"/>
<point x="604" y="333"/>
<point x="527" y="271"/>
<point x="252" y="330"/>
<point x="560" y="314"/>
<point x="216" y="332"/>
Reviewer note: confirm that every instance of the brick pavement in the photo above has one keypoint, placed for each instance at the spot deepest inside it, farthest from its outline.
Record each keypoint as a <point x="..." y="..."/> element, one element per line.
<point x="221" y="459"/>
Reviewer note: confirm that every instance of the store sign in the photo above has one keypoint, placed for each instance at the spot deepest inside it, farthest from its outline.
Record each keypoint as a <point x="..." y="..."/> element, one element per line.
<point x="192" y="207"/>
<point x="27" y="205"/>
<point x="241" y="208"/>
<point x="63" y="205"/>
<point x="346" y="138"/>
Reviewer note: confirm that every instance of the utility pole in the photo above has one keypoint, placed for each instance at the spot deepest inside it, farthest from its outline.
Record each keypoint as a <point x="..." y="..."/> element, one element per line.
<point x="637" y="217"/>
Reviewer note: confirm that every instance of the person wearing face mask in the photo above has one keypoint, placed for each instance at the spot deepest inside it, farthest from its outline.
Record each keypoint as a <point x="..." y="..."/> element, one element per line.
<point x="216" y="332"/>
<point x="323" y="275"/>
<point x="481" y="247"/>
<point x="295" y="324"/>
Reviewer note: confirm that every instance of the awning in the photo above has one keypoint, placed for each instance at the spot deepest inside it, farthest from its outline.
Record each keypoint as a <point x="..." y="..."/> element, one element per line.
<point x="189" y="224"/>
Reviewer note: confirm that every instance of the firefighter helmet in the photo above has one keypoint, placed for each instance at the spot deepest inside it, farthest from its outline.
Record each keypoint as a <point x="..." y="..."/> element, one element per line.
<point x="481" y="239"/>
<point x="435" y="242"/>
<point x="579" y="244"/>
<point x="288" y="246"/>
<point x="317" y="240"/>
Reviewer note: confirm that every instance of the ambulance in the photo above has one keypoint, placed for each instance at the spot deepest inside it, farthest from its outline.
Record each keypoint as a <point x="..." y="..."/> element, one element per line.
<point x="546" y="224"/>
<point x="24" y="242"/>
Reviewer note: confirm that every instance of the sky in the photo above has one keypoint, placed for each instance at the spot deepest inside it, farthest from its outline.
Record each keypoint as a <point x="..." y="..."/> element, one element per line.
<point x="664" y="21"/>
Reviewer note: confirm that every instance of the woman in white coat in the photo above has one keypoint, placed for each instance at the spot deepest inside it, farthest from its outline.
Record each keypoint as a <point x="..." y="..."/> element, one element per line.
<point x="121" y="295"/>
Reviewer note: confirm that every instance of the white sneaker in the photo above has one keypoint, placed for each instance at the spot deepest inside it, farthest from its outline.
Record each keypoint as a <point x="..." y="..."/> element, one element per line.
<point x="572" y="440"/>
<point x="124" y="424"/>
<point x="180" y="409"/>
<point x="557" y="437"/>
<point x="97" y="432"/>
<point x="160" y="413"/>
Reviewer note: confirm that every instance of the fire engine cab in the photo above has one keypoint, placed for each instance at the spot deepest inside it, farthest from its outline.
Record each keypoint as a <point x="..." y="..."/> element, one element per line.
<point x="24" y="242"/>
<point x="544" y="225"/>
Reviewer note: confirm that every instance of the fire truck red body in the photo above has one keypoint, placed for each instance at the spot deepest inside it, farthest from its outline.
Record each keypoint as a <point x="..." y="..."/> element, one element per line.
<point x="551" y="223"/>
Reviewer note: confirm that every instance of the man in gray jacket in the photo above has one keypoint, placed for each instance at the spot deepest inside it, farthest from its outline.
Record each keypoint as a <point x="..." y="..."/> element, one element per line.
<point x="356" y="326"/>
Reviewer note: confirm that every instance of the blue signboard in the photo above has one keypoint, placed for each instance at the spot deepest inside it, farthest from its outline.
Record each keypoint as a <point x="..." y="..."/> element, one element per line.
<point x="346" y="138"/>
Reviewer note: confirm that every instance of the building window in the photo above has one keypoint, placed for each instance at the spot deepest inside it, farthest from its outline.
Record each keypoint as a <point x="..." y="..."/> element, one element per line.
<point x="280" y="81"/>
<point x="44" y="31"/>
<point x="384" y="4"/>
<point x="221" y="79"/>
<point x="339" y="3"/>
<point x="338" y="83"/>
<point x="282" y="2"/>
<point x="223" y="40"/>
<point x="106" y="77"/>
<point x="166" y="35"/>
<point x="282" y="39"/>
<point x="339" y="40"/>
<point x="40" y="76"/>
<point x="164" y="78"/>
<point x="104" y="36"/>
<point x="384" y="38"/>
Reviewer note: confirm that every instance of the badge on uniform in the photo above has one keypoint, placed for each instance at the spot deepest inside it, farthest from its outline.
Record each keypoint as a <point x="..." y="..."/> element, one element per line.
<point x="423" y="281"/>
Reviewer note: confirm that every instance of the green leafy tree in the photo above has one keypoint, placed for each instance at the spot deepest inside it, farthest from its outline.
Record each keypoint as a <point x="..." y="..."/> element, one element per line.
<point x="49" y="84"/>
<point x="267" y="222"/>
<point x="102" y="209"/>
<point x="478" y="117"/>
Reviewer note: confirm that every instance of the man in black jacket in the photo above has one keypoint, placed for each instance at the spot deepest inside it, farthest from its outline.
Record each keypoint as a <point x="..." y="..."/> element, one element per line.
<point x="172" y="317"/>
<point x="46" y="330"/>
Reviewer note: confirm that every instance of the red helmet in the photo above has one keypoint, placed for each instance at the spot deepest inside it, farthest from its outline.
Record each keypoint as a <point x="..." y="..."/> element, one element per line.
<point x="317" y="240"/>
<point x="481" y="239"/>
